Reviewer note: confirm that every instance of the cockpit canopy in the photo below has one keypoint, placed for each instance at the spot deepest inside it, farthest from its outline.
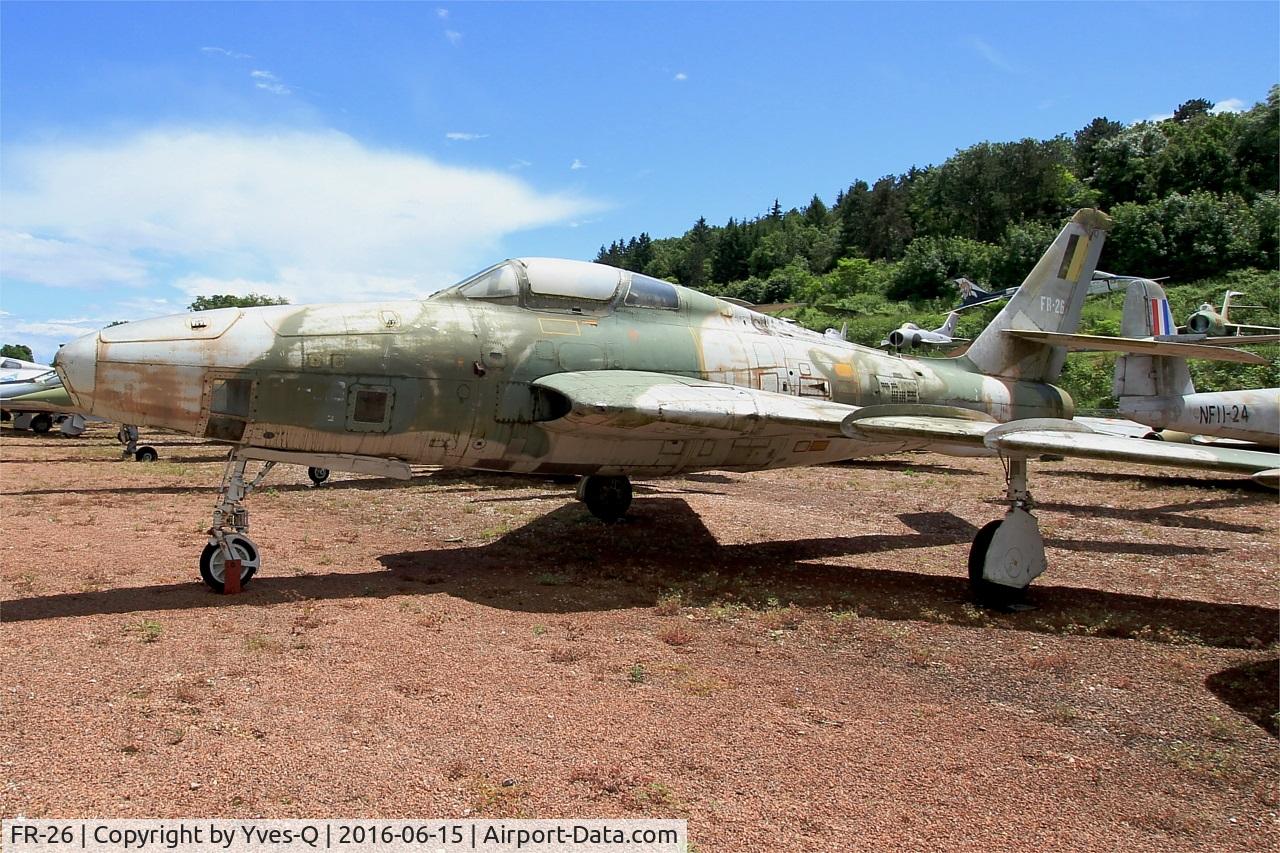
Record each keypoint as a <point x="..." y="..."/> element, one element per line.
<point x="559" y="284"/>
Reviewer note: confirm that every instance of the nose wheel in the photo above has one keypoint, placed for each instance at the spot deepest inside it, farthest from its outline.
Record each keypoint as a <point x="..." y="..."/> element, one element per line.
<point x="213" y="561"/>
<point x="318" y="475"/>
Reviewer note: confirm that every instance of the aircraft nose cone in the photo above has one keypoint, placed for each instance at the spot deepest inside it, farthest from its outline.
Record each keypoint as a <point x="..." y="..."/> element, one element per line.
<point x="77" y="364"/>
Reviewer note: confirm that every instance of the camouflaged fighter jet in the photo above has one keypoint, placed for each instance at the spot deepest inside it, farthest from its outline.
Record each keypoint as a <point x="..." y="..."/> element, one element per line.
<point x="562" y="367"/>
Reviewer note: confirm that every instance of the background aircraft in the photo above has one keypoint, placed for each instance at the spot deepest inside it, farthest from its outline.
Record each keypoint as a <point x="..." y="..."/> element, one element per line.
<point x="563" y="367"/>
<point x="971" y="296"/>
<point x="911" y="336"/>
<point x="43" y="401"/>
<point x="1206" y="321"/>
<point x="25" y="397"/>
<point x="1156" y="390"/>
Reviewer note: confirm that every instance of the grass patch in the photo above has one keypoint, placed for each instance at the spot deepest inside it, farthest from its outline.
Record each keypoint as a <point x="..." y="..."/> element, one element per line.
<point x="148" y="630"/>
<point x="676" y="634"/>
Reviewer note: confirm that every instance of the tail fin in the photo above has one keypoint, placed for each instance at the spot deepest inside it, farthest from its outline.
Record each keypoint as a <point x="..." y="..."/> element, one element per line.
<point x="1146" y="311"/>
<point x="949" y="328"/>
<point x="1147" y="314"/>
<point x="1049" y="300"/>
<point x="968" y="290"/>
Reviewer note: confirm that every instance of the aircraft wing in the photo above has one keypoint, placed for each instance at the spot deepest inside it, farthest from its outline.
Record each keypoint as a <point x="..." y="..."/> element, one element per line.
<point x="642" y="404"/>
<point x="1141" y="346"/>
<point x="628" y="403"/>
<point x="1046" y="435"/>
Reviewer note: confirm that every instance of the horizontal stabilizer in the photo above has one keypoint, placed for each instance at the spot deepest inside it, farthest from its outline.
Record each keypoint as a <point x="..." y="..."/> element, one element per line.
<point x="1046" y="435"/>
<point x="1140" y="346"/>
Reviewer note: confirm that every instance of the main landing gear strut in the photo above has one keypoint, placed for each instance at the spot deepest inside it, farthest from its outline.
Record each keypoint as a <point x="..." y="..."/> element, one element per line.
<point x="128" y="436"/>
<point x="1008" y="554"/>
<point x="228" y="535"/>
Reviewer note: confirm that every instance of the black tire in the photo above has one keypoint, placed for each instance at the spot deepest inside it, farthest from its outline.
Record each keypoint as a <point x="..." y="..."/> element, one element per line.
<point x="41" y="424"/>
<point x="607" y="498"/>
<point x="318" y="475"/>
<point x="1154" y="436"/>
<point x="146" y="454"/>
<point x="210" y="569"/>
<point x="984" y="592"/>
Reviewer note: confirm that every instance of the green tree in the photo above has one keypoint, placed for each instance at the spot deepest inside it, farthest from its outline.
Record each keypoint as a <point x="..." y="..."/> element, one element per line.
<point x="21" y="351"/>
<point x="228" y="300"/>
<point x="1087" y="139"/>
<point x="1192" y="109"/>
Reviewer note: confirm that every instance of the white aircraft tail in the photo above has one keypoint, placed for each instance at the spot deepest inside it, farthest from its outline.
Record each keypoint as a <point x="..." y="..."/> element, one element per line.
<point x="949" y="328"/>
<point x="1049" y="300"/>
<point x="1147" y="314"/>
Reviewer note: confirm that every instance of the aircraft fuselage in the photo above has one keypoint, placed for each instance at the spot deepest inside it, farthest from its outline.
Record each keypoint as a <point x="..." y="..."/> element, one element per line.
<point x="446" y="380"/>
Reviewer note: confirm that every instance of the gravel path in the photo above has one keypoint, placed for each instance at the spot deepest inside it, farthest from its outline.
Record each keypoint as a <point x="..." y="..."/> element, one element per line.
<point x="786" y="659"/>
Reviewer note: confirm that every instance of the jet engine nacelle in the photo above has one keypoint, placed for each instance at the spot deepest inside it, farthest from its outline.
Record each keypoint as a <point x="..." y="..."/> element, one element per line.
<point x="904" y="341"/>
<point x="1206" y="321"/>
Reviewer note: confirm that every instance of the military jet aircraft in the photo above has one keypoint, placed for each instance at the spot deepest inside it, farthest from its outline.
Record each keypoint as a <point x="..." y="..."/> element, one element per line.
<point x="42" y="401"/>
<point x="1157" y="390"/>
<point x="971" y="296"/>
<point x="911" y="336"/>
<point x="1206" y="321"/>
<point x="564" y="367"/>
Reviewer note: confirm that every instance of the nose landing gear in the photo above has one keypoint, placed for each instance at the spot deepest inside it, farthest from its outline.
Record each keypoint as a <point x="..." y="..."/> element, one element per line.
<point x="228" y="535"/>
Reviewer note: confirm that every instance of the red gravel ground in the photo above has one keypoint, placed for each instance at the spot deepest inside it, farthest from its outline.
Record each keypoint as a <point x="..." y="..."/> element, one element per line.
<point x="786" y="659"/>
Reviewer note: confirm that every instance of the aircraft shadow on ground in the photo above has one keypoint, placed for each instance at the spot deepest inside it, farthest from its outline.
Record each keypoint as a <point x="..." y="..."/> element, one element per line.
<point x="904" y="466"/>
<point x="1250" y="690"/>
<point x="565" y="562"/>
<point x="1161" y="481"/>
<point x="1170" y="515"/>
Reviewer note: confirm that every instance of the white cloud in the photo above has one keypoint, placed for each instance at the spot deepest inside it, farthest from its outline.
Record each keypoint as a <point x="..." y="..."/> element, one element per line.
<point x="64" y="263"/>
<point x="456" y="136"/>
<point x="222" y="51"/>
<point x="270" y="82"/>
<point x="577" y="164"/>
<point x="1156" y="117"/>
<point x="520" y="164"/>
<point x="64" y="329"/>
<point x="442" y="14"/>
<point x="680" y="77"/>
<point x="1230" y="105"/>
<point x="989" y="53"/>
<point x="453" y="36"/>
<point x="313" y="215"/>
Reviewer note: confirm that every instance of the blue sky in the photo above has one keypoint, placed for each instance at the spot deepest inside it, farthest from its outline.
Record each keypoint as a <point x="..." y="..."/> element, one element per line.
<point x="151" y="152"/>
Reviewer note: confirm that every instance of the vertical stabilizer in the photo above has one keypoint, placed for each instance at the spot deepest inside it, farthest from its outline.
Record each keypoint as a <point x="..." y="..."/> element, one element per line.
<point x="1146" y="315"/>
<point x="1049" y="300"/>
<point x="949" y="328"/>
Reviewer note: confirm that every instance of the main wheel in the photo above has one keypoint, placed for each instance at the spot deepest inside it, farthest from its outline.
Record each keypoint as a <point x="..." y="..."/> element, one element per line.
<point x="607" y="498"/>
<point x="984" y="592"/>
<point x="147" y="454"/>
<point x="318" y="475"/>
<point x="41" y="423"/>
<point x="212" y="563"/>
